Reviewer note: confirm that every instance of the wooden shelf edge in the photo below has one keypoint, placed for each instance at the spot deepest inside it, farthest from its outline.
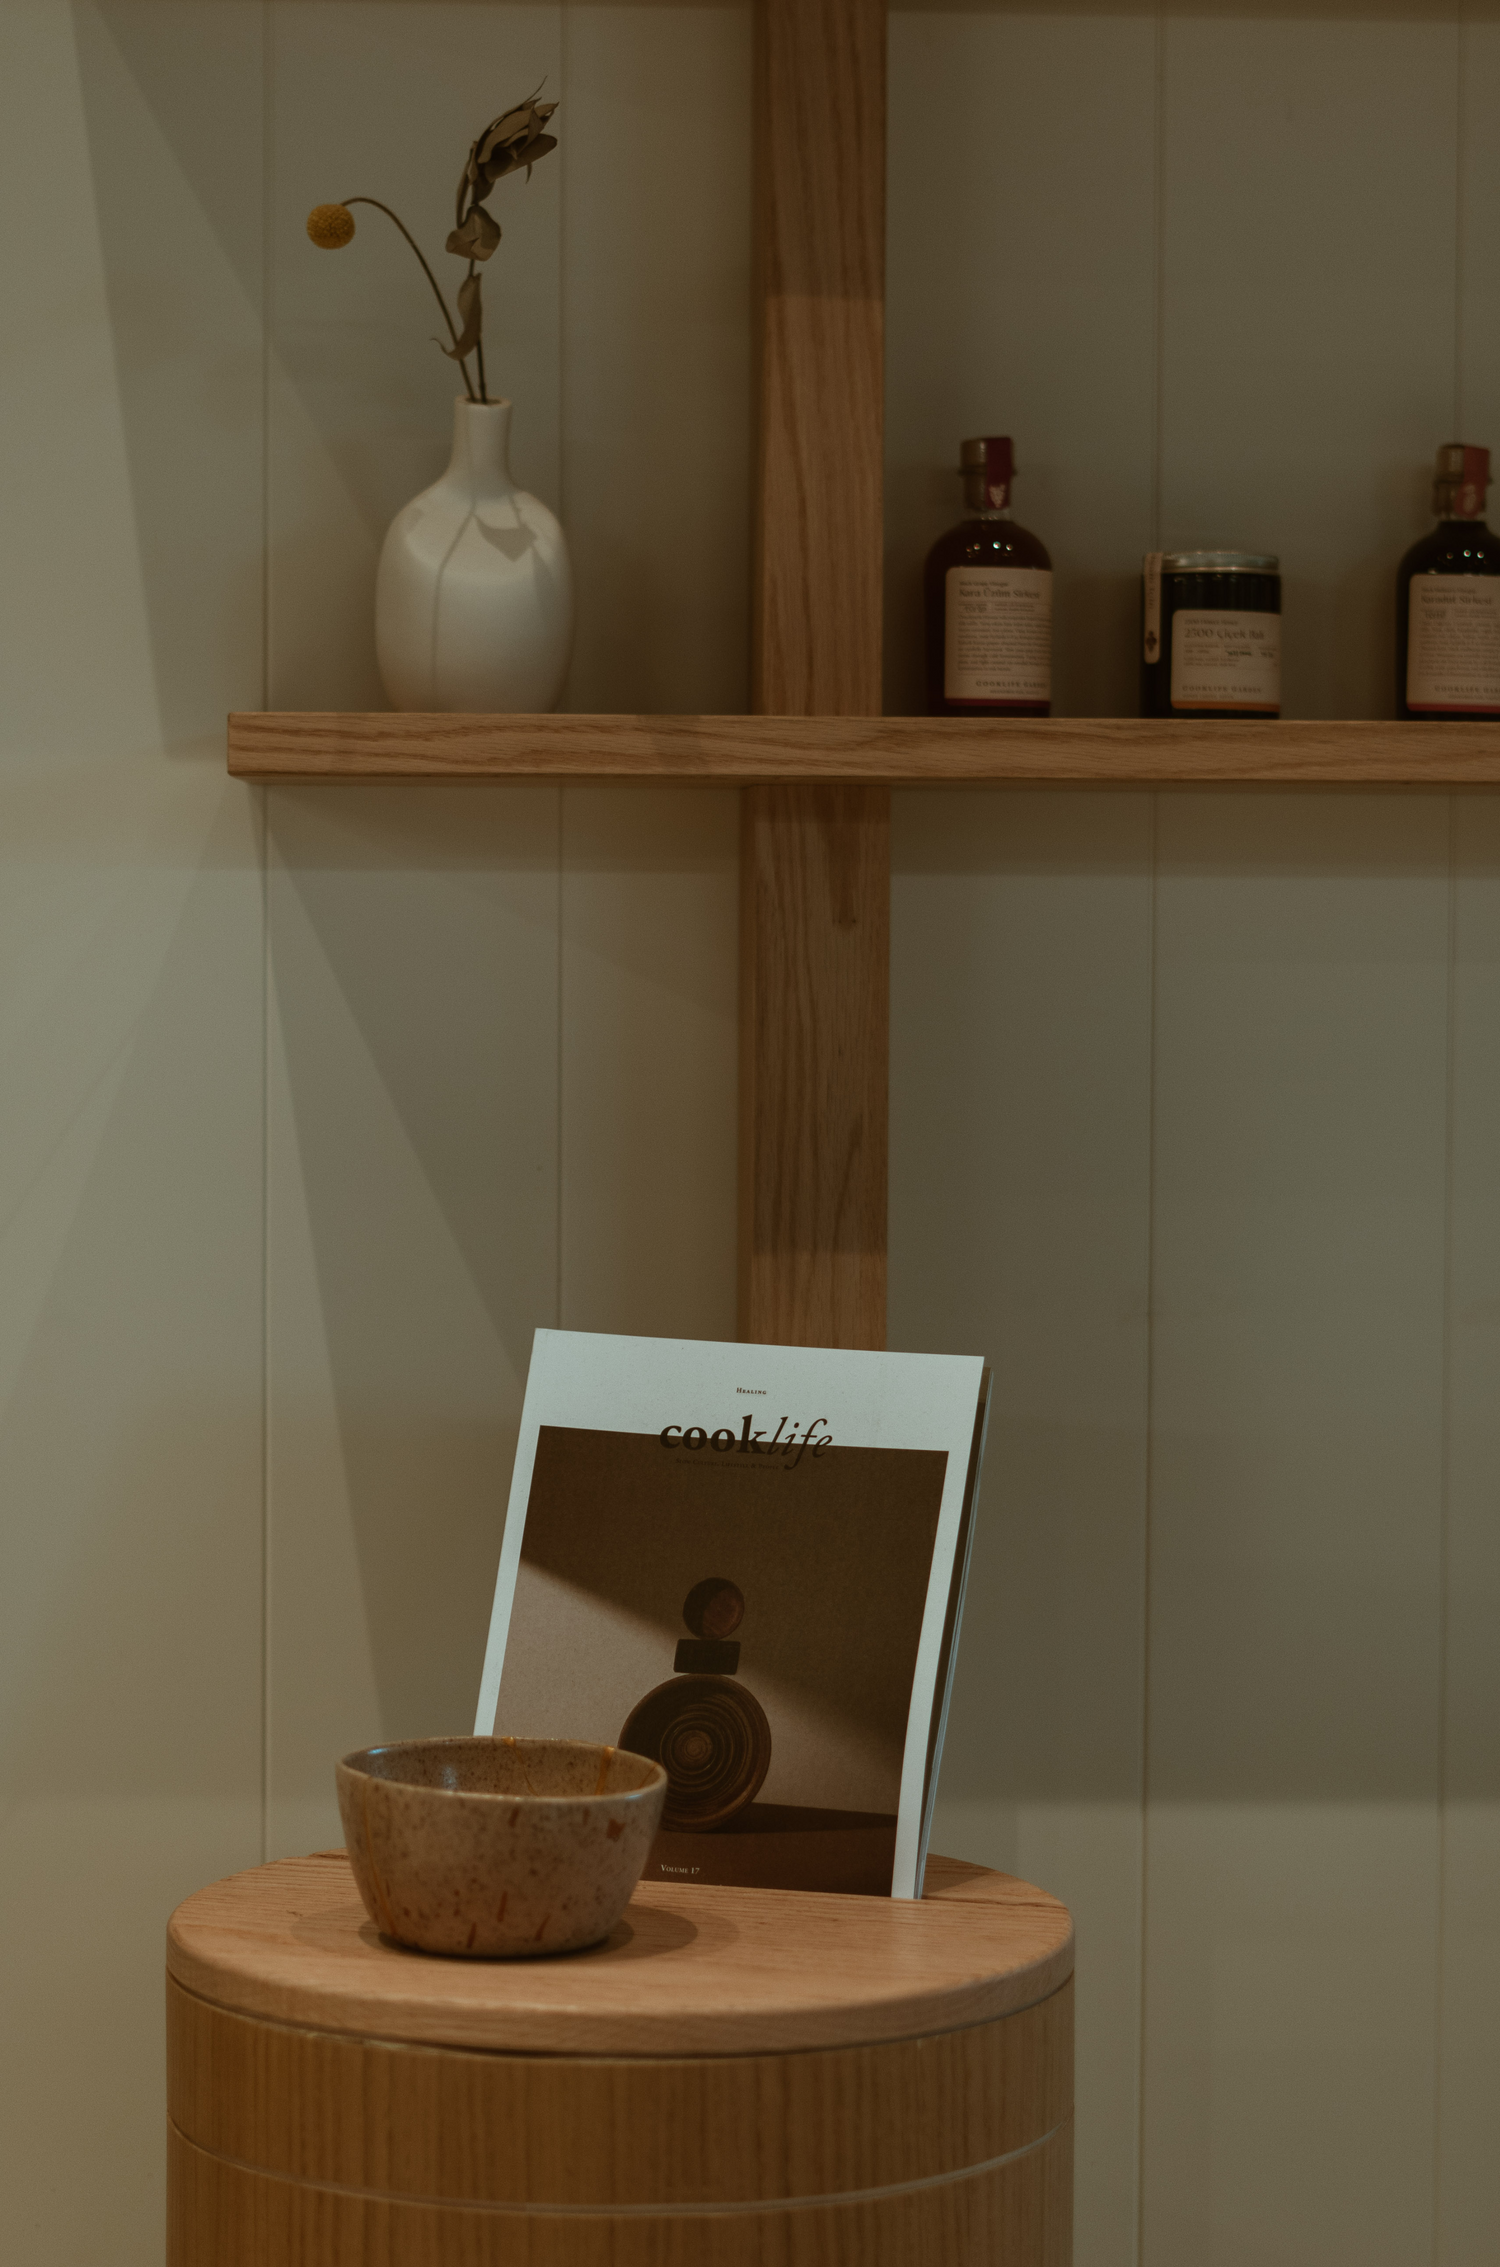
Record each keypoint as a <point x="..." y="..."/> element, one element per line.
<point x="896" y="751"/>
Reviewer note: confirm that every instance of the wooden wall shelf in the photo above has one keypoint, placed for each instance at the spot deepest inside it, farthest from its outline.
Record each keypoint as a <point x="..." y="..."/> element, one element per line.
<point x="893" y="751"/>
<point x="816" y="761"/>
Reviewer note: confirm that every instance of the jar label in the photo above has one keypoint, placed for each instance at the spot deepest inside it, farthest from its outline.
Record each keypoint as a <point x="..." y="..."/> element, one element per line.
<point x="1453" y="644"/>
<point x="997" y="644"/>
<point x="1226" y="660"/>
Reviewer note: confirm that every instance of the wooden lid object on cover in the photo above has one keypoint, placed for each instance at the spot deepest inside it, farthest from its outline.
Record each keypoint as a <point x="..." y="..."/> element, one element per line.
<point x="689" y="1971"/>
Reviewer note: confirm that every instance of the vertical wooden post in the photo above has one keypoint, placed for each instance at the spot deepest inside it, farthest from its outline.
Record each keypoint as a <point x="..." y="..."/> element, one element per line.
<point x="815" y="861"/>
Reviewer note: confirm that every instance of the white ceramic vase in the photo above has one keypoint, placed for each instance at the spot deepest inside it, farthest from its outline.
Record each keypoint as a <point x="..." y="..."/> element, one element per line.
<point x="474" y="597"/>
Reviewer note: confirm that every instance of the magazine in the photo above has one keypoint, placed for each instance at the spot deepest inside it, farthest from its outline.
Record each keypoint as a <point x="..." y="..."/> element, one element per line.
<point x="747" y="1562"/>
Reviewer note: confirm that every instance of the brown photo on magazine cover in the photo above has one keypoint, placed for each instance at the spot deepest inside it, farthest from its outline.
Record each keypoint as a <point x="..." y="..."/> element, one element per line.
<point x="751" y="1621"/>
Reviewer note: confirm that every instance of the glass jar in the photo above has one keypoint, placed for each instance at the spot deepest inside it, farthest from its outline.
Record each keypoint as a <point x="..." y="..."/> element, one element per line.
<point x="1211" y="634"/>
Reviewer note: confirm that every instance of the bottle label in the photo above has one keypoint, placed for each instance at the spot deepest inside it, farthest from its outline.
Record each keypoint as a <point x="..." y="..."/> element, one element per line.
<point x="1453" y="644"/>
<point x="1226" y="660"/>
<point x="997" y="647"/>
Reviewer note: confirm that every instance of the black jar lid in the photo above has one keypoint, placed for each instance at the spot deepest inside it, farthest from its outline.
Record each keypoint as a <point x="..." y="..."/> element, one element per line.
<point x="1220" y="563"/>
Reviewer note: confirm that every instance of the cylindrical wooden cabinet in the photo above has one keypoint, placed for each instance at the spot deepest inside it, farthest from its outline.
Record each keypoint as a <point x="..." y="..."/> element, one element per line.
<point x="739" y="2077"/>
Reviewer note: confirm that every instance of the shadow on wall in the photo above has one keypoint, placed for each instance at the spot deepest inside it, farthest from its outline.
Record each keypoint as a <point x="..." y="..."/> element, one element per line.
<point x="131" y="1687"/>
<point x="130" y="1455"/>
<point x="183" y="283"/>
<point x="502" y="1097"/>
<point x="413" y="1181"/>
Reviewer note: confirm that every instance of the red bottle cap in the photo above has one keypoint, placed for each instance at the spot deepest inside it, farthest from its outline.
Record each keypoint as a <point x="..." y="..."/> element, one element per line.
<point x="996" y="457"/>
<point x="1463" y="475"/>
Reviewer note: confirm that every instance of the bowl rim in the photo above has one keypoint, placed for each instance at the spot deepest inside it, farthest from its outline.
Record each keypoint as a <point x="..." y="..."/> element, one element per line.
<point x="353" y="1763"/>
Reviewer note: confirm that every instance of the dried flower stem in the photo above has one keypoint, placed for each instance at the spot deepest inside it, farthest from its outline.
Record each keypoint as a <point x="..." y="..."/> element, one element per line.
<point x="432" y="279"/>
<point x="510" y="143"/>
<point x="479" y="356"/>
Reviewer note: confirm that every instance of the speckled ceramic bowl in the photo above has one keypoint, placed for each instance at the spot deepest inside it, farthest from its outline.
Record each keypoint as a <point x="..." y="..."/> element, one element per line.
<point x="498" y="1848"/>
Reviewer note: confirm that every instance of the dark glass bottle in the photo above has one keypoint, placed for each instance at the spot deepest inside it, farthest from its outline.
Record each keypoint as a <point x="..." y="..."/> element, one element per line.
<point x="1448" y="600"/>
<point x="989" y="601"/>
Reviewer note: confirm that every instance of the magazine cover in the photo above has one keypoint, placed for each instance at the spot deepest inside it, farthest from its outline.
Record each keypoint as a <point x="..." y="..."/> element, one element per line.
<point x="748" y="1562"/>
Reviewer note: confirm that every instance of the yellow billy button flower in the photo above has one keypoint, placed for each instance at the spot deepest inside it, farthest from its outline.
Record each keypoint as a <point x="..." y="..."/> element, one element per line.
<point x="330" y="226"/>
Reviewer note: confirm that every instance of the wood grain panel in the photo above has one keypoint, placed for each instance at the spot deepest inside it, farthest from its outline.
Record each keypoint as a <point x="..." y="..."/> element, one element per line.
<point x="689" y="1970"/>
<point x="815" y="870"/>
<point x="226" y="2215"/>
<point x="889" y="751"/>
<point x="820" y="283"/>
<point x="581" y="2133"/>
<point x="814" y="1055"/>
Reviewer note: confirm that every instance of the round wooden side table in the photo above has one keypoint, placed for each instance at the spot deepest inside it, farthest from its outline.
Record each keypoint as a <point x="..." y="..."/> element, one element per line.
<point x="738" y="2077"/>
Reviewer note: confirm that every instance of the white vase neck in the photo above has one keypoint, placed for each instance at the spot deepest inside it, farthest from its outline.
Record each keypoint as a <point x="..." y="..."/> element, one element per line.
<point x="481" y="449"/>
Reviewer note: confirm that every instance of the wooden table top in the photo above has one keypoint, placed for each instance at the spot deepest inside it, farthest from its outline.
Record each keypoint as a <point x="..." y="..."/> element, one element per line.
<point x="689" y="1971"/>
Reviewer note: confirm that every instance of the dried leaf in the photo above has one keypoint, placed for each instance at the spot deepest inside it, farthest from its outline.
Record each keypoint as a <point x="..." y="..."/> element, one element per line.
<point x="512" y="126"/>
<point x="513" y="130"/>
<point x="510" y="141"/>
<point x="510" y="157"/>
<point x="531" y="153"/>
<point x="472" y="313"/>
<point x="477" y="238"/>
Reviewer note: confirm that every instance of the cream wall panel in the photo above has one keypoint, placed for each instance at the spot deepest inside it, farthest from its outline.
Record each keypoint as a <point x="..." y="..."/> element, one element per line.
<point x="130" y="1152"/>
<point x="1294" y="1667"/>
<point x="1476" y="408"/>
<point x="656" y="455"/>
<point x="413" y="1251"/>
<point x="1019" y="300"/>
<point x="1020" y="1182"/>
<point x="388" y="1400"/>
<point x="382" y="98"/>
<point x="1307" y="311"/>
<point x="412" y="1179"/>
<point x="1468" y="2220"/>
<point x="655" y="149"/>
<point x="650" y="944"/>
